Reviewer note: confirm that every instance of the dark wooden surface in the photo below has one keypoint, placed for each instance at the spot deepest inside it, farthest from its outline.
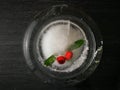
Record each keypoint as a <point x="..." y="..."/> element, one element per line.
<point x="16" y="15"/>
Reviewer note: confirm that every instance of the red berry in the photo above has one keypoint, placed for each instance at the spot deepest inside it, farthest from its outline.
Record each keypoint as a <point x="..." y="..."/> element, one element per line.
<point x="61" y="59"/>
<point x="68" y="55"/>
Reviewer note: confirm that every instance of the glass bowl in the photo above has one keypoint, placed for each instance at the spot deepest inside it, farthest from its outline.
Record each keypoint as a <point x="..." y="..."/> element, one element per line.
<point x="62" y="16"/>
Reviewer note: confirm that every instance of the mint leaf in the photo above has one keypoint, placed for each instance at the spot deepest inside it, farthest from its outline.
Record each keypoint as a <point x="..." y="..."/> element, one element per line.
<point x="50" y="60"/>
<point x="76" y="44"/>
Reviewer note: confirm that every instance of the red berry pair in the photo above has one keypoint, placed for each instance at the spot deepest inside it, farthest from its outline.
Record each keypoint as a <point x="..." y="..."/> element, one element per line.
<point x="68" y="56"/>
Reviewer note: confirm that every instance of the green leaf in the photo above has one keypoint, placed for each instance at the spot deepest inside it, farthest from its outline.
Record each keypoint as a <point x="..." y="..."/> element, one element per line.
<point x="50" y="60"/>
<point x="76" y="44"/>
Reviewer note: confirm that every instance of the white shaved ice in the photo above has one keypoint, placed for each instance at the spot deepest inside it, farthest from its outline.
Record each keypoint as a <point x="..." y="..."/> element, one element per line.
<point x="57" y="37"/>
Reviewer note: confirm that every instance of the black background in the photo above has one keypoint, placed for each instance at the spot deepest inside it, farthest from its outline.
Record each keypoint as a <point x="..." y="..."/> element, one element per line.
<point x="16" y="15"/>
